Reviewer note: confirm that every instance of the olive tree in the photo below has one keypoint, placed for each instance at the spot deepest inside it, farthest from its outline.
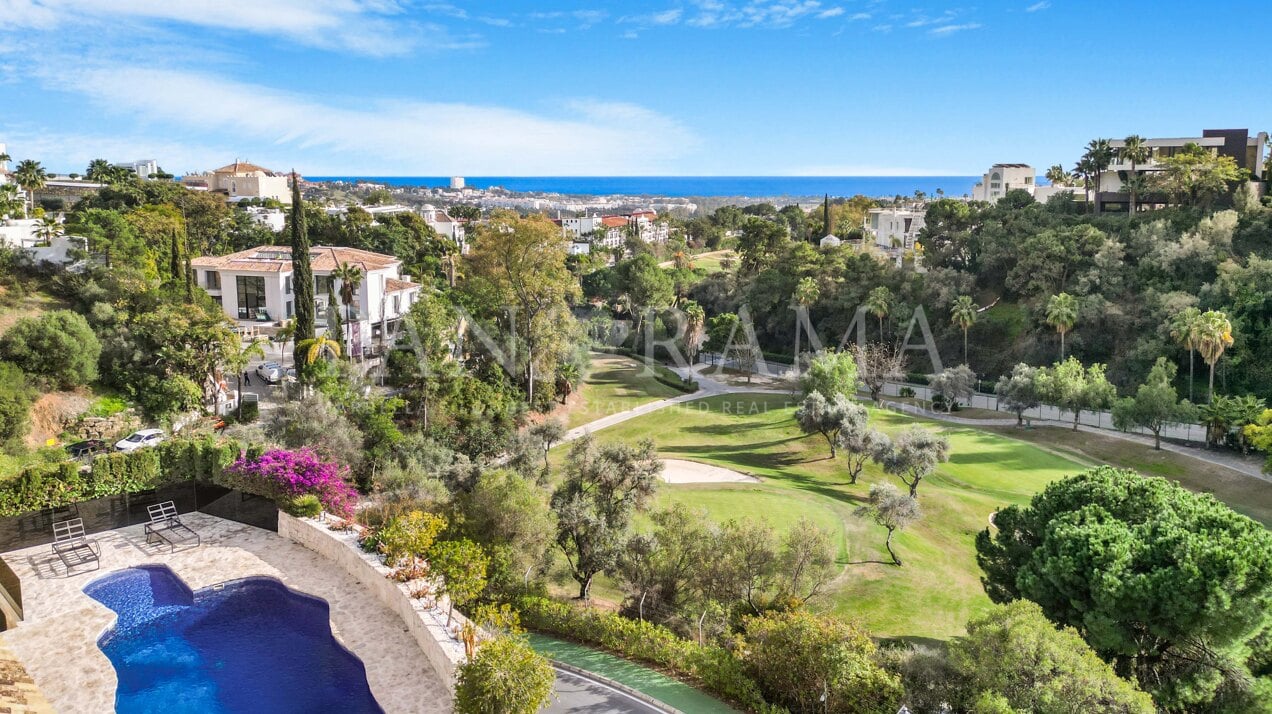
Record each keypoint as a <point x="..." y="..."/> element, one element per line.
<point x="1154" y="405"/>
<point x="914" y="455"/>
<point x="891" y="509"/>
<point x="818" y="415"/>
<point x="1019" y="391"/>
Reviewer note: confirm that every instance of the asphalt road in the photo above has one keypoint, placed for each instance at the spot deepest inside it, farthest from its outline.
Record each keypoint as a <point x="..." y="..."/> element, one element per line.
<point x="579" y="695"/>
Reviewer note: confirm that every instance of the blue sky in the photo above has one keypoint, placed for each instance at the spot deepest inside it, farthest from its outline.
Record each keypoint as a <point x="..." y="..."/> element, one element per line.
<point x="680" y="87"/>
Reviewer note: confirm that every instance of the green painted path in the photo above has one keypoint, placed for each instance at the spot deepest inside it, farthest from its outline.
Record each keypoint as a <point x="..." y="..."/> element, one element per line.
<point x="642" y="679"/>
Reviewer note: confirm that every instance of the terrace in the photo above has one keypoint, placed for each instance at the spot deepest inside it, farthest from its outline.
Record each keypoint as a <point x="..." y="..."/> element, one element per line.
<point x="57" y="640"/>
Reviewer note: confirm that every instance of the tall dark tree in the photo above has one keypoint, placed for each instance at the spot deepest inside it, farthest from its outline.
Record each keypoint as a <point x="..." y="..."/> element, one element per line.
<point x="302" y="272"/>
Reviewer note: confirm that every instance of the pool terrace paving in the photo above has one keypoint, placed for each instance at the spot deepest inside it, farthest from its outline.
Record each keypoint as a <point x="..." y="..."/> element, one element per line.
<point x="57" y="640"/>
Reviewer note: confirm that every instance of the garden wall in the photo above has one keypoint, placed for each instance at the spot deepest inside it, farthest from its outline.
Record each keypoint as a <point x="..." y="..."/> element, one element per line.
<point x="426" y="624"/>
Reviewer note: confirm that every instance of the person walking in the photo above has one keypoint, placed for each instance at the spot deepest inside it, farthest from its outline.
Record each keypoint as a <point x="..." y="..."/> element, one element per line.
<point x="247" y="378"/>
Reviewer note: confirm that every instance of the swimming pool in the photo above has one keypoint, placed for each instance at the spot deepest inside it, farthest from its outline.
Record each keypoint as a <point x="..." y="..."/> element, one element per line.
<point x="244" y="646"/>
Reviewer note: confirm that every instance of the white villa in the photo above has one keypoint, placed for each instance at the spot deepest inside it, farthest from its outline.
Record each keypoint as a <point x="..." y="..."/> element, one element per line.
<point x="272" y="218"/>
<point x="144" y="168"/>
<point x="255" y="288"/>
<point x="896" y="227"/>
<point x="243" y="180"/>
<point x="446" y="226"/>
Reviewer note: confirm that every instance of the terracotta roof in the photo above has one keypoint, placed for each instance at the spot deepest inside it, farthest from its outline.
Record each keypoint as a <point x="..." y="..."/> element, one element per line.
<point x="241" y="167"/>
<point x="277" y="258"/>
<point x="613" y="221"/>
<point x="396" y="286"/>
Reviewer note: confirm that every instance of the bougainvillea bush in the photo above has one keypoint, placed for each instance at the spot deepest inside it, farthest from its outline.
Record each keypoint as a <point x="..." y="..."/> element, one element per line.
<point x="284" y="475"/>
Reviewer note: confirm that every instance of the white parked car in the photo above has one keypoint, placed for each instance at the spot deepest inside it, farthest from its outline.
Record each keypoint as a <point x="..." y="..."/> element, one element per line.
<point x="271" y="372"/>
<point x="138" y="439"/>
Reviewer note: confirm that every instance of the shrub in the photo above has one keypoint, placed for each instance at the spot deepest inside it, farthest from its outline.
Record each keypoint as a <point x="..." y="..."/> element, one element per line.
<point x="281" y="474"/>
<point x="408" y="536"/>
<point x="306" y="506"/>
<point x="505" y="676"/>
<point x="16" y="397"/>
<point x="58" y="346"/>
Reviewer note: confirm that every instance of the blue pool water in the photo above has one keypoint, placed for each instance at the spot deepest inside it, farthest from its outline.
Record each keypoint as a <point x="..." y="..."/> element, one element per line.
<point x="246" y="646"/>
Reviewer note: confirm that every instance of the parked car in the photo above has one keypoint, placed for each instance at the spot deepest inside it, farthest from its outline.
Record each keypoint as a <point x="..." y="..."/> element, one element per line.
<point x="138" y="439"/>
<point x="271" y="372"/>
<point x="87" y="448"/>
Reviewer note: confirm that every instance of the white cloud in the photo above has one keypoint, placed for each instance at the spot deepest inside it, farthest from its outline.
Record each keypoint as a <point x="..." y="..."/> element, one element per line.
<point x="385" y="136"/>
<point x="944" y="30"/>
<point x="857" y="17"/>
<point x="1043" y="5"/>
<point x="830" y="12"/>
<point x="370" y="27"/>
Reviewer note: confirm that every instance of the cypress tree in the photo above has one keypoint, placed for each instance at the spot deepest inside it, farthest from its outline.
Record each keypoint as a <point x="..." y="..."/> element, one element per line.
<point x="302" y="272"/>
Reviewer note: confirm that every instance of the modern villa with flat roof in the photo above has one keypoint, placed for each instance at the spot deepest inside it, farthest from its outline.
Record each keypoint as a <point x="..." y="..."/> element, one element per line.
<point x="255" y="288"/>
<point x="1248" y="151"/>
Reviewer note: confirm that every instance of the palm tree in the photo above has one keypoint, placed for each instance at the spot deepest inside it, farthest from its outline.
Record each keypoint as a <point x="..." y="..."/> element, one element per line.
<point x="99" y="170"/>
<point x="1062" y="314"/>
<point x="283" y="336"/>
<point x="879" y="302"/>
<point x="1057" y="176"/>
<point x="237" y="356"/>
<point x="1134" y="151"/>
<point x="350" y="277"/>
<point x="318" y="346"/>
<point x="963" y="314"/>
<point x="1185" y="328"/>
<point x="48" y="228"/>
<point x="1086" y="169"/>
<point x="1100" y="155"/>
<point x="806" y="293"/>
<point x="1214" y="335"/>
<point x="30" y="175"/>
<point x="695" y="320"/>
<point x="10" y="200"/>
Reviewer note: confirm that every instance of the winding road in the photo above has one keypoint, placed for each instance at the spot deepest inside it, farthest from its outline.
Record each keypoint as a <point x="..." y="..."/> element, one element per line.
<point x="577" y="694"/>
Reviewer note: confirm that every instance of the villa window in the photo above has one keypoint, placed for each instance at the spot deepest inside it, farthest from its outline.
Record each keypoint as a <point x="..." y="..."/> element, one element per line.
<point x="322" y="285"/>
<point x="291" y="309"/>
<point x="212" y="279"/>
<point x="287" y="286"/>
<point x="251" y="296"/>
<point x="397" y="304"/>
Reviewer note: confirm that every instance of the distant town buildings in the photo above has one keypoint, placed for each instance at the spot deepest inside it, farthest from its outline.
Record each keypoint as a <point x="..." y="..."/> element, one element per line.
<point x="254" y="287"/>
<point x="612" y="231"/>
<point x="456" y="183"/>
<point x="241" y="180"/>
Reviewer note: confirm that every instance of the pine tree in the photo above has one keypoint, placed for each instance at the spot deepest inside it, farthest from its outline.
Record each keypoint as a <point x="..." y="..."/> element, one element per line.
<point x="302" y="272"/>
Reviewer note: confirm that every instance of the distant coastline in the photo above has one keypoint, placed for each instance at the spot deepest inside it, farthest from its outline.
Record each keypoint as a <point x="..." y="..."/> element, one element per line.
<point x="689" y="186"/>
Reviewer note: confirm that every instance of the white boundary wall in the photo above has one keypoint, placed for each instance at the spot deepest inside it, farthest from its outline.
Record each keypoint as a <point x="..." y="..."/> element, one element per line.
<point x="426" y="624"/>
<point x="1047" y="412"/>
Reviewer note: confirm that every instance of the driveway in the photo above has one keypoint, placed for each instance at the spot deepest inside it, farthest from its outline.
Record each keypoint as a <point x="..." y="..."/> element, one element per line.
<point x="577" y="694"/>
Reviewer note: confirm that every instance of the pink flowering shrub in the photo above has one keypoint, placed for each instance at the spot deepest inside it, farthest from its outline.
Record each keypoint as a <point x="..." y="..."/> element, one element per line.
<point x="283" y="475"/>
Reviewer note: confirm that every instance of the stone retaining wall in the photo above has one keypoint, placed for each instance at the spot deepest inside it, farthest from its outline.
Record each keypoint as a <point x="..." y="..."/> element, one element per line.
<point x="426" y="624"/>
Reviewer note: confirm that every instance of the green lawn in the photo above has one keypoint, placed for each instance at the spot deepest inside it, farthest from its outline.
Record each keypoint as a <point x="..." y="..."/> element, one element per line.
<point x="642" y="679"/>
<point x="613" y="384"/>
<point x="938" y="588"/>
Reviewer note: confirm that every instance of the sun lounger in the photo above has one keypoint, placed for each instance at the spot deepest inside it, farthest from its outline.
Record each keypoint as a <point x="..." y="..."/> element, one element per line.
<point x="72" y="548"/>
<point x="165" y="527"/>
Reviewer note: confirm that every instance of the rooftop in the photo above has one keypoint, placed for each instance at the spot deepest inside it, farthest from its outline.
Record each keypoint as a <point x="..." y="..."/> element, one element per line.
<point x="278" y="259"/>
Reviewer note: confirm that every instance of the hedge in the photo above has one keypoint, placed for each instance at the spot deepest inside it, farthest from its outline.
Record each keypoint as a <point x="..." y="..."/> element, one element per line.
<point x="714" y="669"/>
<point x="169" y="462"/>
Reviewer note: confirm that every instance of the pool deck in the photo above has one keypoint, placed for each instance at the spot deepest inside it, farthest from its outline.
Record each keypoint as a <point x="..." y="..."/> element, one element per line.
<point x="57" y="639"/>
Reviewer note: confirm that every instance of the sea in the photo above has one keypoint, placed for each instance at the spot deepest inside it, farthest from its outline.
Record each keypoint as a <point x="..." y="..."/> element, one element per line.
<point x="690" y="186"/>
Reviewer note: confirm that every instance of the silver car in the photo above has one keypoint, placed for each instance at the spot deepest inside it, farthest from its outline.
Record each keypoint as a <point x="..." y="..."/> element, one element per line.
<point x="271" y="372"/>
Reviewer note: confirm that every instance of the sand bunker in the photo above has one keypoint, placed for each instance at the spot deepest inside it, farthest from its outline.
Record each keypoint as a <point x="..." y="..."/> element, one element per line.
<point x="677" y="471"/>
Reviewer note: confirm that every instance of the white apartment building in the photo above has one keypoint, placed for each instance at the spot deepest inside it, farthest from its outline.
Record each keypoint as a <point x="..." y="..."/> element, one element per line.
<point x="255" y="288"/>
<point x="581" y="227"/>
<point x="1002" y="178"/>
<point x="144" y="168"/>
<point x="243" y="180"/>
<point x="895" y="228"/>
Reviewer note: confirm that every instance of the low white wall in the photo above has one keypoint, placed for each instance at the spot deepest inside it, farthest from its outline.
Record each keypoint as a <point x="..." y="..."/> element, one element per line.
<point x="426" y="625"/>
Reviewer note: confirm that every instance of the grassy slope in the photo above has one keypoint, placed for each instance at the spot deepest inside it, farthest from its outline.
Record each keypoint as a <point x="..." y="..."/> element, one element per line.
<point x="613" y="384"/>
<point x="936" y="591"/>
<point x="1243" y="493"/>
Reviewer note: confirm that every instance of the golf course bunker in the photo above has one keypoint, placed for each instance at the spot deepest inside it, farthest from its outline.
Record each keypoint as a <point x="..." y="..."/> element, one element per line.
<point x="677" y="471"/>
